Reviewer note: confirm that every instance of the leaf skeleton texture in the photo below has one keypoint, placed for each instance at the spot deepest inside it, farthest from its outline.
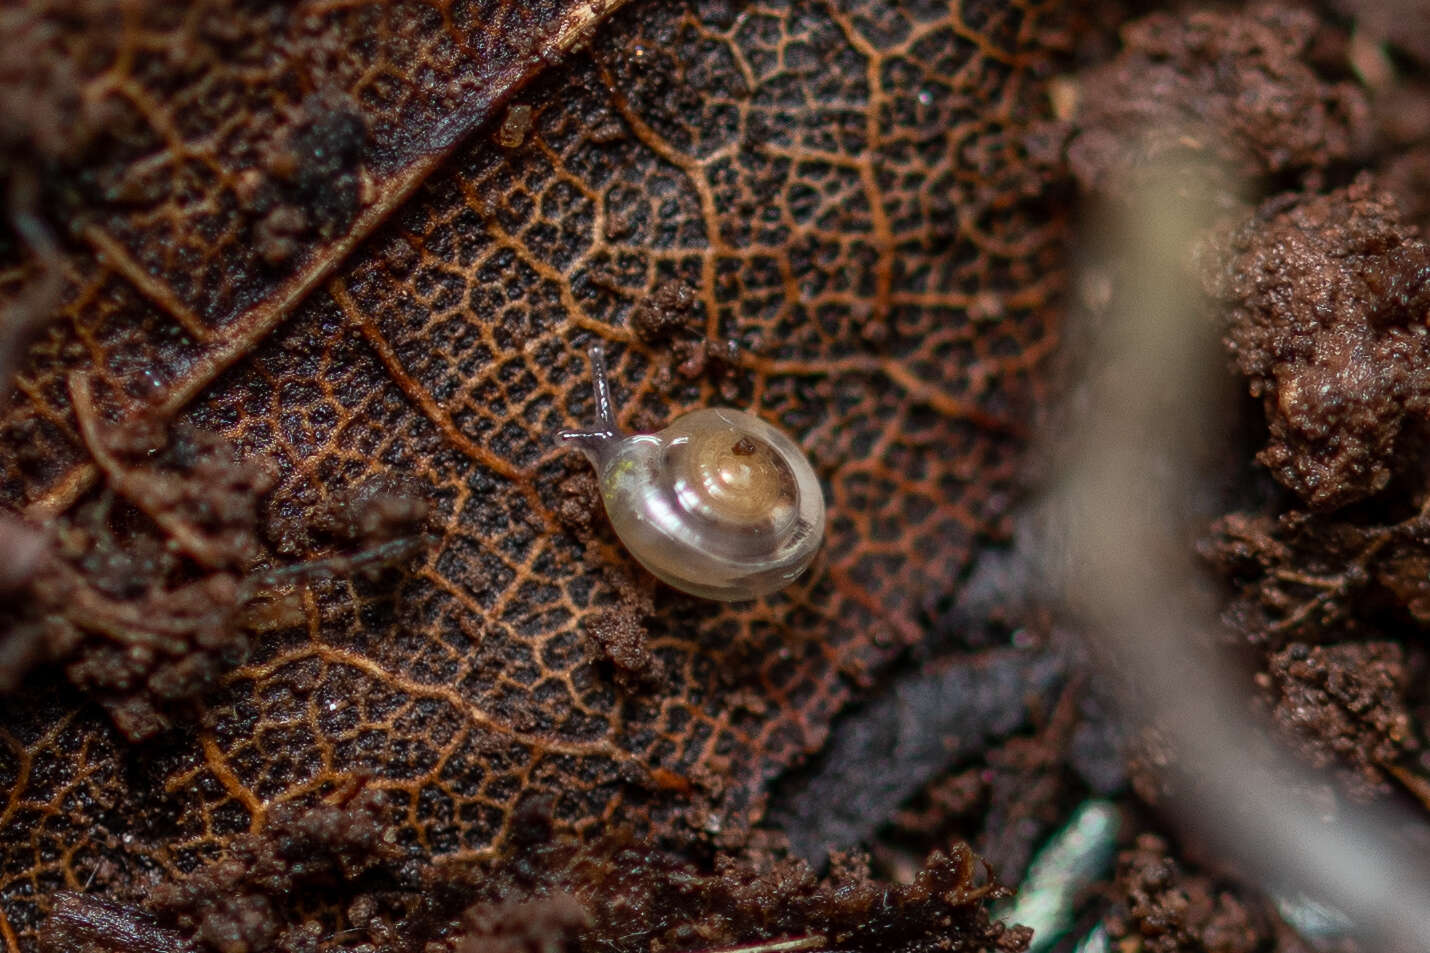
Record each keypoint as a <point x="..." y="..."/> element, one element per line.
<point x="220" y="158"/>
<point x="832" y="208"/>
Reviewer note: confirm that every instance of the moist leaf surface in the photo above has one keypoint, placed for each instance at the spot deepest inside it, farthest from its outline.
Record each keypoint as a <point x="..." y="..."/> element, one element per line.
<point x="825" y="213"/>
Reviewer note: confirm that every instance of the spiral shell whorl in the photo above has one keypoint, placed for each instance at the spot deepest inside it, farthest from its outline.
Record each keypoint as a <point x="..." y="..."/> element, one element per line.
<point x="719" y="504"/>
<point x="728" y="476"/>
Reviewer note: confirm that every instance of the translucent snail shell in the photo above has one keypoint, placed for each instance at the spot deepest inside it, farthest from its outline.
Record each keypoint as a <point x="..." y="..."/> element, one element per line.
<point x="719" y="504"/>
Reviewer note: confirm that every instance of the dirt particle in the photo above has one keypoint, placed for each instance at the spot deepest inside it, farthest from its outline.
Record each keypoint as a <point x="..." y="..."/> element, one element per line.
<point x="234" y="903"/>
<point x="1326" y="299"/>
<point x="1166" y="910"/>
<point x="147" y="592"/>
<point x="278" y="233"/>
<point x="621" y="636"/>
<point x="1343" y="705"/>
<point x="515" y="124"/>
<point x="547" y="924"/>
<point x="1233" y="87"/>
<point x="614" y="893"/>
<point x="316" y="167"/>
<point x="580" y="505"/>
<point x="665" y="313"/>
<point x="380" y="508"/>
<point x="46" y="113"/>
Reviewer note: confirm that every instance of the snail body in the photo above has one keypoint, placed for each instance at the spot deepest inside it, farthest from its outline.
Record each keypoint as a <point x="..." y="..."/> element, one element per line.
<point x="719" y="504"/>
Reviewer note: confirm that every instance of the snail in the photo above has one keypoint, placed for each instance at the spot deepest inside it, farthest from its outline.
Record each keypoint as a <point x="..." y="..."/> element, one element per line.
<point x="719" y="504"/>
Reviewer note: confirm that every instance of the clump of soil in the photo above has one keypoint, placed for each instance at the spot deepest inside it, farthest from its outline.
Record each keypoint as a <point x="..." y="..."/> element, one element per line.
<point x="671" y="315"/>
<point x="544" y="925"/>
<point x="1325" y="300"/>
<point x="1299" y="576"/>
<point x="1326" y="297"/>
<point x="1343" y="704"/>
<point x="1322" y="296"/>
<point x="230" y="904"/>
<point x="1165" y="909"/>
<point x="1233" y="87"/>
<point x="141" y="593"/>
<point x="379" y="510"/>
<point x="151" y="590"/>
<point x="548" y="893"/>
<point x="620" y="636"/>
<point x="665" y="314"/>
<point x="47" y="115"/>
<point x="624" y="896"/>
<point x="238" y="904"/>
<point x="314" y="183"/>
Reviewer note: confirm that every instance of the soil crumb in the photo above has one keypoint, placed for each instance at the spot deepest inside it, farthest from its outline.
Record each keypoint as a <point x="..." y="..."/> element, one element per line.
<point x="238" y="904"/>
<point x="1343" y="705"/>
<point x="332" y="877"/>
<point x="1233" y="87"/>
<point x="1164" y="909"/>
<point x="623" y="896"/>
<point x="151" y="589"/>
<point x="1326" y="297"/>
<point x="231" y="903"/>
<point x="545" y="925"/>
<point x="621" y="637"/>
<point x="140" y="592"/>
<point x="666" y="313"/>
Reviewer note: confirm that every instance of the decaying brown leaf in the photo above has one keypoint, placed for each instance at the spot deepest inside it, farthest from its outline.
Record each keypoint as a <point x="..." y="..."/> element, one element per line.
<point x="311" y="230"/>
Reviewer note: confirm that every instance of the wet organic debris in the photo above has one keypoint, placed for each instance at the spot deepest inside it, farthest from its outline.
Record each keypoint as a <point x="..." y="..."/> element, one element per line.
<point x="448" y="319"/>
<point x="233" y="904"/>
<point x="621" y="637"/>
<point x="550" y="893"/>
<point x="1344" y="704"/>
<point x="69" y="123"/>
<point x="1299" y="576"/>
<point x="549" y="924"/>
<point x="241" y="903"/>
<point x="1325" y="298"/>
<point x="190" y="483"/>
<point x="379" y="510"/>
<point x="144" y="613"/>
<point x="673" y="317"/>
<point x="152" y="589"/>
<point x="436" y="339"/>
<point x="313" y="179"/>
<point x="1321" y="295"/>
<point x="635" y="898"/>
<point x="1162" y="908"/>
<point x="1211" y="86"/>
<point x="666" y="313"/>
<point x="49" y="115"/>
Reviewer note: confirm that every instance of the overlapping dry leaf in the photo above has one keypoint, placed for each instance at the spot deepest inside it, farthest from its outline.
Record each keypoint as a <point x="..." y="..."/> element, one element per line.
<point x="823" y="212"/>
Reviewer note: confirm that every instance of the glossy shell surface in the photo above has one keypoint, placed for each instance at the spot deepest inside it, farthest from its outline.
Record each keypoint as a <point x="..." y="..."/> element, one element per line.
<point x="720" y="504"/>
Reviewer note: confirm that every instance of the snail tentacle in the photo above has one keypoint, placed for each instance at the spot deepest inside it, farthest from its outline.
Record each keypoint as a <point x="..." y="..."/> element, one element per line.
<point x="597" y="444"/>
